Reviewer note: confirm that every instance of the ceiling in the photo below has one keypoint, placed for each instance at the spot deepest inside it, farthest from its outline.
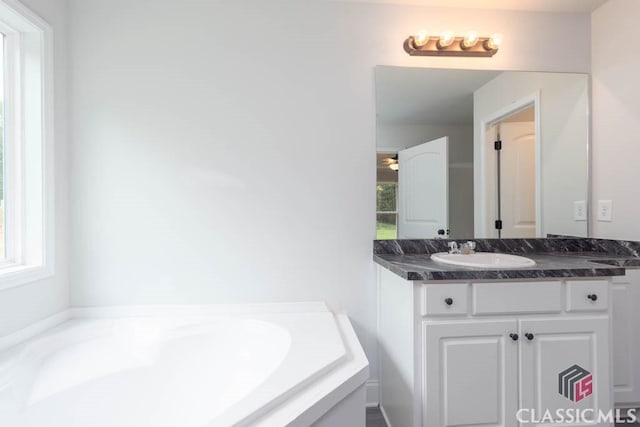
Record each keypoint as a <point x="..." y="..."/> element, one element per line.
<point x="407" y="95"/>
<point x="559" y="6"/>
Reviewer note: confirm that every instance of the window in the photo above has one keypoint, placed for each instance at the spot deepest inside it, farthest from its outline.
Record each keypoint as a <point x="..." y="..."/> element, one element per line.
<point x="386" y="210"/>
<point x="26" y="196"/>
<point x="2" y="216"/>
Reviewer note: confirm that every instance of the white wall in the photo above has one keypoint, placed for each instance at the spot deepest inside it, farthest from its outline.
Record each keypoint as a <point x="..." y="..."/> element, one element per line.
<point x="200" y="132"/>
<point x="616" y="117"/>
<point x="564" y="122"/>
<point x="23" y="305"/>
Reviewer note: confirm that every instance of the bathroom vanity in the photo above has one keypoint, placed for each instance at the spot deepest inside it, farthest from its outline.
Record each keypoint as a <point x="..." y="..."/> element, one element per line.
<point x="469" y="346"/>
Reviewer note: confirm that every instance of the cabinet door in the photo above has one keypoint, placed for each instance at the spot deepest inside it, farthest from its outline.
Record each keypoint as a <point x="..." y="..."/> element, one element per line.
<point x="564" y="365"/>
<point x="469" y="373"/>
<point x="626" y="339"/>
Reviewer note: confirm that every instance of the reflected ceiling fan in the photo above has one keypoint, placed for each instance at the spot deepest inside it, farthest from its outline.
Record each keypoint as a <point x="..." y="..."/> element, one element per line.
<point x="392" y="162"/>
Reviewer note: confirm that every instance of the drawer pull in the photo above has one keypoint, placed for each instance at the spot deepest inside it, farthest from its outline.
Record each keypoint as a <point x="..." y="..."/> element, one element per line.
<point x="593" y="297"/>
<point x="514" y="337"/>
<point x="448" y="301"/>
<point x="529" y="336"/>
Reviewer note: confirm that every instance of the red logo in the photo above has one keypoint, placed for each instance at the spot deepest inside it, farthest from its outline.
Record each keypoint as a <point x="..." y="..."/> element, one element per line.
<point x="575" y="383"/>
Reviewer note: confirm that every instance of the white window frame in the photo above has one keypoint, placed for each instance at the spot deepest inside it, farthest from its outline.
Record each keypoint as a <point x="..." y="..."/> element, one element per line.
<point x="28" y="146"/>
<point x="388" y="212"/>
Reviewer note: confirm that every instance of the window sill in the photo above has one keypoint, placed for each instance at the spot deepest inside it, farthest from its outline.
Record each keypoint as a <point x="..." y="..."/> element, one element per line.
<point x="12" y="275"/>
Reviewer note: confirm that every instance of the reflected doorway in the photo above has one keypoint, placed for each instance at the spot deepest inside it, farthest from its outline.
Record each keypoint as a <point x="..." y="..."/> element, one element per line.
<point x="514" y="139"/>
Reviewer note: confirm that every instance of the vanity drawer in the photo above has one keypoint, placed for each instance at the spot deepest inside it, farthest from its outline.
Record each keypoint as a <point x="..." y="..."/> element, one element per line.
<point x="443" y="300"/>
<point x="516" y="297"/>
<point x="587" y="295"/>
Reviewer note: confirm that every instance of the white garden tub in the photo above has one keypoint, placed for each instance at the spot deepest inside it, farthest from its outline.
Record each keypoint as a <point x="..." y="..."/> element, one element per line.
<point x="265" y="365"/>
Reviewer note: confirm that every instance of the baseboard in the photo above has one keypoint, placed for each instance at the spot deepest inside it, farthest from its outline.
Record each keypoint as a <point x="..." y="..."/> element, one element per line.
<point x="33" y="329"/>
<point x="384" y="415"/>
<point x="373" y="393"/>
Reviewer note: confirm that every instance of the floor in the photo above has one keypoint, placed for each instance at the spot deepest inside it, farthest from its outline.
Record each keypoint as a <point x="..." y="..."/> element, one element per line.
<point x="375" y="419"/>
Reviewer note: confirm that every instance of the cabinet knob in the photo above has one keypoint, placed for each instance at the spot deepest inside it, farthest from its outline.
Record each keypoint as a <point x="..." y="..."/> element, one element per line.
<point x="448" y="301"/>
<point x="514" y="337"/>
<point x="593" y="297"/>
<point x="529" y="336"/>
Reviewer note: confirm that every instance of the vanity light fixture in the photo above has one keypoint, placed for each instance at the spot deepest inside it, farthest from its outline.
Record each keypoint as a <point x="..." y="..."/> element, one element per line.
<point x="445" y="40"/>
<point x="469" y="41"/>
<point x="447" y="44"/>
<point x="421" y="38"/>
<point x="494" y="42"/>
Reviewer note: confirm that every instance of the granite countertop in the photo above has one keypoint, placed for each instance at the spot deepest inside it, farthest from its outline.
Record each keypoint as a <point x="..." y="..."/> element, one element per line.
<point x="555" y="258"/>
<point x="421" y="267"/>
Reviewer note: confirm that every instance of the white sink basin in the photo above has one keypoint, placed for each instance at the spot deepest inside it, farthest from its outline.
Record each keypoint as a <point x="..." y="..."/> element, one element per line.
<point x="484" y="260"/>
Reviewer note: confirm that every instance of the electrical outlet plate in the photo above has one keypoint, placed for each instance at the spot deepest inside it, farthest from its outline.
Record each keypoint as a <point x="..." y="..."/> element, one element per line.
<point x="580" y="210"/>
<point x="605" y="208"/>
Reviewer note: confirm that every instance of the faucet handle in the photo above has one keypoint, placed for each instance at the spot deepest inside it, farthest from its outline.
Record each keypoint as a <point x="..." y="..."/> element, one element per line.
<point x="469" y="247"/>
<point x="453" y="248"/>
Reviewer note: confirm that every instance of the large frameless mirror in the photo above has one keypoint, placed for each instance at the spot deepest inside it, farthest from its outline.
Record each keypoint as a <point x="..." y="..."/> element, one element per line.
<point x="484" y="154"/>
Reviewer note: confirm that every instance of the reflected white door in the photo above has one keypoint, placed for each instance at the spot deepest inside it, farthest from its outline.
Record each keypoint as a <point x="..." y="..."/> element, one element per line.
<point x="423" y="190"/>
<point x="518" y="179"/>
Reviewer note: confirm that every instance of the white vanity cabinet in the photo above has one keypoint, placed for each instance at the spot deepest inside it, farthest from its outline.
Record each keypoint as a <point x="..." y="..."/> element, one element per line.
<point x="469" y="373"/>
<point x="557" y="345"/>
<point x="474" y="353"/>
<point x="626" y="339"/>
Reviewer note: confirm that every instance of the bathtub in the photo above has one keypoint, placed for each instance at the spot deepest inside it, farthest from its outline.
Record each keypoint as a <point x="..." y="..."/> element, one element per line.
<point x="259" y="365"/>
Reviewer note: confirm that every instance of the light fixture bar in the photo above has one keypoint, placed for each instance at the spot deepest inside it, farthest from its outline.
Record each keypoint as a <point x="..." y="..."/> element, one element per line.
<point x="459" y="46"/>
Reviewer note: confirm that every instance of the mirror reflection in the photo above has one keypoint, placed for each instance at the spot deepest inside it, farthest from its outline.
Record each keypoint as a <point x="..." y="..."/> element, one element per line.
<point x="484" y="154"/>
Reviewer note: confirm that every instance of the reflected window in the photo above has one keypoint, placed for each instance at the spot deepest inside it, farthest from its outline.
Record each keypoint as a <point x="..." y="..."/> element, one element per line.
<point x="387" y="196"/>
<point x="386" y="210"/>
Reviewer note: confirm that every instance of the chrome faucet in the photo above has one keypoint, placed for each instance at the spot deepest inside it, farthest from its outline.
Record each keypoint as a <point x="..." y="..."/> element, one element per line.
<point x="468" y="248"/>
<point x="453" y="248"/>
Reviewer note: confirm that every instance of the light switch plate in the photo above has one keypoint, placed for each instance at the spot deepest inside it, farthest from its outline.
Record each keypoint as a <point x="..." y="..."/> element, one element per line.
<point x="605" y="210"/>
<point x="580" y="210"/>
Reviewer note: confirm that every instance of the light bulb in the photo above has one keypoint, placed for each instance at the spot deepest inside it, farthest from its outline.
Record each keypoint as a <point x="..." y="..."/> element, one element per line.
<point x="446" y="39"/>
<point x="494" y="42"/>
<point x="421" y="39"/>
<point x="470" y="40"/>
<point x="394" y="166"/>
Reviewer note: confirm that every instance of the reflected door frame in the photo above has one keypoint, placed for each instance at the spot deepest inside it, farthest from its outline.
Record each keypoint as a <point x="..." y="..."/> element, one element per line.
<point x="486" y="213"/>
<point x="391" y="151"/>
